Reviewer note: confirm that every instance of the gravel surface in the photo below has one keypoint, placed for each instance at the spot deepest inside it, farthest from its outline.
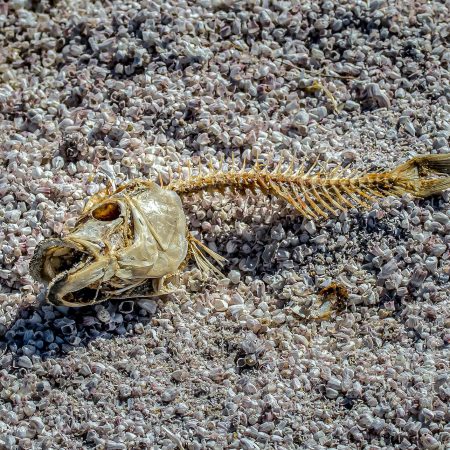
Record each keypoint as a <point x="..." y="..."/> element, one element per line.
<point x="143" y="87"/>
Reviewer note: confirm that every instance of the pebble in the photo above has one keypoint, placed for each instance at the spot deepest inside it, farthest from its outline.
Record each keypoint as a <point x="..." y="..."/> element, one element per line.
<point x="85" y="370"/>
<point x="431" y="263"/>
<point x="179" y="375"/>
<point x="331" y="393"/>
<point x="103" y="314"/>
<point x="310" y="227"/>
<point x="388" y="269"/>
<point x="234" y="276"/>
<point x="29" y="408"/>
<point x="429" y="442"/>
<point x="25" y="362"/>
<point x="124" y="391"/>
<point x="168" y="395"/>
<point x="112" y="445"/>
<point x="37" y="424"/>
<point x="220" y="305"/>
<point x="148" y="305"/>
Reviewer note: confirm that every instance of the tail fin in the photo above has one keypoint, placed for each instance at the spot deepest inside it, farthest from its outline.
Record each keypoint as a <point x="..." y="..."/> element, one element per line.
<point x="435" y="164"/>
<point x="425" y="175"/>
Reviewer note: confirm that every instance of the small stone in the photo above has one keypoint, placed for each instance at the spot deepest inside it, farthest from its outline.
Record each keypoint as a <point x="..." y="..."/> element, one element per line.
<point x="431" y="263"/>
<point x="388" y="269"/>
<point x="428" y="414"/>
<point x="429" y="442"/>
<point x="378" y="425"/>
<point x="267" y="427"/>
<point x="439" y="143"/>
<point x="418" y="276"/>
<point x="318" y="113"/>
<point x="113" y="445"/>
<point x="236" y="310"/>
<point x="103" y="314"/>
<point x="29" y="408"/>
<point x="310" y="227"/>
<point x="48" y="336"/>
<point x="24" y="362"/>
<point x="6" y="361"/>
<point x="302" y="117"/>
<point x="277" y="233"/>
<point x="181" y="409"/>
<point x="179" y="375"/>
<point x="29" y="350"/>
<point x="69" y="329"/>
<point x="234" y="276"/>
<point x="169" y="395"/>
<point x="331" y="393"/>
<point x="22" y="432"/>
<point x="220" y="305"/>
<point x="248" y="444"/>
<point x="250" y="389"/>
<point x="37" y="424"/>
<point x="441" y="218"/>
<point x="124" y="391"/>
<point x="438" y="249"/>
<point x="350" y="105"/>
<point x="334" y="383"/>
<point x="148" y="305"/>
<point x="8" y="441"/>
<point x="236" y="299"/>
<point x="203" y="139"/>
<point x="279" y="318"/>
<point x="85" y="370"/>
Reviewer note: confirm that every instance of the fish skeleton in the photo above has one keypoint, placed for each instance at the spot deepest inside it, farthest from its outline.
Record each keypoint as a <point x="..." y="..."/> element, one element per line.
<point x="133" y="241"/>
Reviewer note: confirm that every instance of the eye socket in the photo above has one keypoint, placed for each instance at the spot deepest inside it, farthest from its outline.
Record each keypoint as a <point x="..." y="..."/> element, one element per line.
<point x="107" y="212"/>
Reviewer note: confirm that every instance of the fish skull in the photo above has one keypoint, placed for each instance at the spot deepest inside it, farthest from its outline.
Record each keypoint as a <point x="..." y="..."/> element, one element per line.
<point x="130" y="243"/>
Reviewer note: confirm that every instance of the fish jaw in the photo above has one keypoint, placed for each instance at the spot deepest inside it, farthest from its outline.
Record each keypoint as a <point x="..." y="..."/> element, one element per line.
<point x="71" y="270"/>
